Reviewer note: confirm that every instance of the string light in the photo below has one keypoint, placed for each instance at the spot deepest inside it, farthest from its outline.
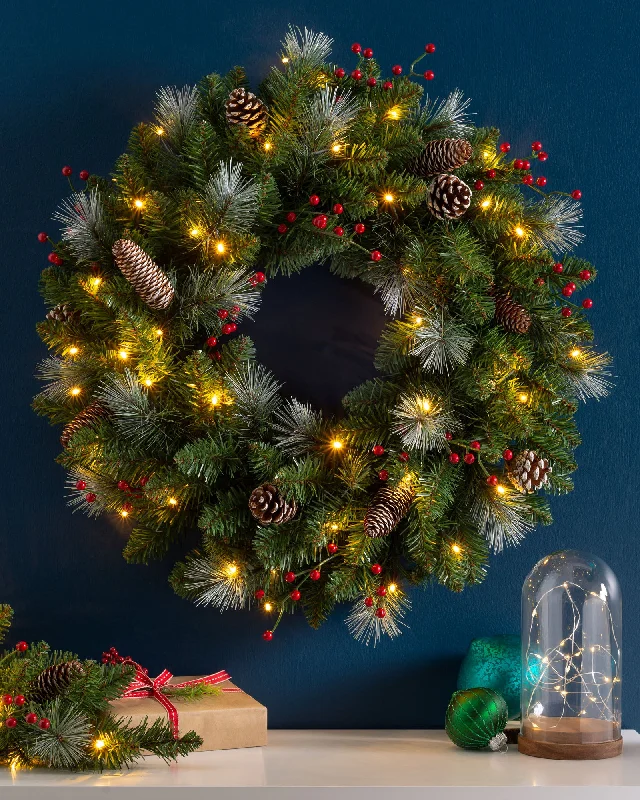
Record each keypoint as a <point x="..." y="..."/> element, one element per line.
<point x="73" y="351"/>
<point x="456" y="548"/>
<point x="148" y="382"/>
<point x="336" y="148"/>
<point x="220" y="247"/>
<point x="424" y="404"/>
<point x="388" y="198"/>
<point x="99" y="744"/>
<point x="173" y="501"/>
<point x="285" y="60"/>
<point x="75" y="391"/>
<point x="215" y="399"/>
<point x="123" y="355"/>
<point x="334" y="527"/>
<point x="392" y="587"/>
<point x="500" y="489"/>
<point x="194" y="232"/>
<point x="418" y="320"/>
<point x="523" y="397"/>
<point x="232" y="570"/>
<point x="575" y="353"/>
<point x="336" y="444"/>
<point x="268" y="607"/>
<point x="159" y="332"/>
<point x="95" y="282"/>
<point x="138" y="203"/>
<point x="519" y="231"/>
<point x="393" y="113"/>
<point x="485" y="204"/>
<point x="267" y="145"/>
<point x="160" y="131"/>
<point x="124" y="513"/>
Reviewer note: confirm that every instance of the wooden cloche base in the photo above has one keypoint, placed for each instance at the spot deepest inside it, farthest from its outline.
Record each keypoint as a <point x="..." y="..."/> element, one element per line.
<point x="574" y="738"/>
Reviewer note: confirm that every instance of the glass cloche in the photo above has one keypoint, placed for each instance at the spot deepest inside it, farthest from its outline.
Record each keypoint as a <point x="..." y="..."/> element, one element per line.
<point x="571" y="626"/>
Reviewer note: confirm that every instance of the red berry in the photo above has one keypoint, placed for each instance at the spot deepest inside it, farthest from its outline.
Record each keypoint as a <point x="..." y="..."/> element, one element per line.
<point x="128" y="507"/>
<point x="332" y="547"/>
<point x="267" y="636"/>
<point x="84" y="175"/>
<point x="404" y="456"/>
<point x="7" y="699"/>
<point x="558" y="268"/>
<point x="54" y="258"/>
<point x="505" y="147"/>
<point x="356" y="75"/>
<point x="320" y="221"/>
<point x="20" y="700"/>
<point x="478" y="186"/>
<point x="380" y="613"/>
<point x="527" y="180"/>
<point x="585" y="275"/>
<point x="223" y="313"/>
<point x="90" y="497"/>
<point x="291" y="216"/>
<point x="227" y="328"/>
<point x="31" y="718"/>
<point x="572" y="286"/>
<point x="368" y="601"/>
<point x="371" y="81"/>
<point x="81" y="485"/>
<point x="367" y="52"/>
<point x="475" y="445"/>
<point x="338" y="208"/>
<point x="454" y="458"/>
<point x="123" y="486"/>
<point x="11" y="722"/>
<point x="381" y="591"/>
<point x="376" y="255"/>
<point x="144" y="480"/>
<point x="448" y="436"/>
<point x="260" y="277"/>
<point x="259" y="594"/>
<point x="492" y="480"/>
<point x="587" y="302"/>
<point x="43" y="237"/>
<point x="339" y="72"/>
<point x="338" y="231"/>
<point x="536" y="146"/>
<point x="376" y="569"/>
<point x="567" y="291"/>
<point x="469" y="458"/>
<point x="396" y="69"/>
<point x="576" y="194"/>
<point x="282" y="228"/>
<point x="290" y="577"/>
<point x="491" y="173"/>
<point x="212" y="341"/>
<point x="517" y="164"/>
<point x="295" y="595"/>
<point x="387" y="85"/>
<point x="359" y="227"/>
<point x="314" y="200"/>
<point x="315" y="574"/>
<point x="217" y="355"/>
<point x="526" y="164"/>
<point x="541" y="181"/>
<point x="383" y="475"/>
<point x="539" y="281"/>
<point x="429" y="75"/>
<point x="566" y="311"/>
<point x="356" y="48"/>
<point x="542" y="156"/>
<point x="430" y="48"/>
<point x="66" y="171"/>
<point x="377" y="450"/>
<point x="507" y="455"/>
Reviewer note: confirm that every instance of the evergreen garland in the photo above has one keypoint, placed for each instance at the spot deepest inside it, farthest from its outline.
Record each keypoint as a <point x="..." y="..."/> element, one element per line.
<point x="193" y="423"/>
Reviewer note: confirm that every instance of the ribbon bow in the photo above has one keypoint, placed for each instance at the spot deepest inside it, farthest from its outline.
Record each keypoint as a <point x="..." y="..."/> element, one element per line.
<point x="144" y="686"/>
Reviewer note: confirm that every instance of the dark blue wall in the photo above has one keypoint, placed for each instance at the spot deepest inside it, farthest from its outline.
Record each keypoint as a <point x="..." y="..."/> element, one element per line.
<point x="75" y="78"/>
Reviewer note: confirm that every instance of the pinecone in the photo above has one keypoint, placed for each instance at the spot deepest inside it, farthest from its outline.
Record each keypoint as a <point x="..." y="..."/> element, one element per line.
<point x="63" y="313"/>
<point x="143" y="274"/>
<point x="449" y="197"/>
<point x="53" y="680"/>
<point x="442" y="156"/>
<point x="528" y="472"/>
<point x="90" y="415"/>
<point x="244" y="108"/>
<point x="388" y="507"/>
<point x="511" y="315"/>
<point x="268" y="505"/>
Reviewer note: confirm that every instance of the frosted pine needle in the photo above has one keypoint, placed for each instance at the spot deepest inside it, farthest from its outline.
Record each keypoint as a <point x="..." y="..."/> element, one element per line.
<point x="331" y="111"/>
<point x="255" y="392"/>
<point x="587" y="375"/>
<point x="448" y="117"/>
<point x="231" y="200"/>
<point x="421" y="423"/>
<point x="441" y="343"/>
<point x="176" y="109"/>
<point x="221" y="586"/>
<point x="85" y="228"/>
<point x="297" y="426"/>
<point x="304" y="45"/>
<point x="503" y="519"/>
<point x="365" y="626"/>
<point x="553" y="223"/>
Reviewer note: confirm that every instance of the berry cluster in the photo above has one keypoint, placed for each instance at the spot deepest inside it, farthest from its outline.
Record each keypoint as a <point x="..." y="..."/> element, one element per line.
<point x="366" y="55"/>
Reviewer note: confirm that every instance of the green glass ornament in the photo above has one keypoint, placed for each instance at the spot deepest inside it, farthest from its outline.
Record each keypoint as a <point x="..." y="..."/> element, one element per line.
<point x="495" y="662"/>
<point x="476" y="719"/>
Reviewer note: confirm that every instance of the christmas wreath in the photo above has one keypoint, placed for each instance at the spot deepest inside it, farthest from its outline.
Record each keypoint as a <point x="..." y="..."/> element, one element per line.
<point x="171" y="422"/>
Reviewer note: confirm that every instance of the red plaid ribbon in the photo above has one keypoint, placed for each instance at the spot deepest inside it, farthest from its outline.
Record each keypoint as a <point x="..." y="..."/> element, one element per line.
<point x="144" y="686"/>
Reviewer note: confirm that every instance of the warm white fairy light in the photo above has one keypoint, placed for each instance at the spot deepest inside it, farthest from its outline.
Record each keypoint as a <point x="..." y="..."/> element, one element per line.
<point x="123" y="355"/>
<point x="388" y="198"/>
<point x="74" y="391"/>
<point x="268" y="606"/>
<point x="160" y="130"/>
<point x="519" y="231"/>
<point x="267" y="145"/>
<point x="173" y="501"/>
<point x="195" y="232"/>
<point x="336" y="444"/>
<point x="485" y="204"/>
<point x="220" y="247"/>
<point x="138" y="203"/>
<point x="73" y="351"/>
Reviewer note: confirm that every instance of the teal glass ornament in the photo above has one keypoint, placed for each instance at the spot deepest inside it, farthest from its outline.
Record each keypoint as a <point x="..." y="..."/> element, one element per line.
<point x="494" y="662"/>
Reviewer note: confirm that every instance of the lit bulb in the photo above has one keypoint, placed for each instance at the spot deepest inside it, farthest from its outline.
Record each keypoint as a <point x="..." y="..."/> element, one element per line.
<point x="195" y="232"/>
<point x="220" y="247"/>
<point x="425" y="405"/>
<point x="285" y="60"/>
<point x="485" y="203"/>
<point x="334" y="527"/>
<point x="123" y="355"/>
<point x="523" y="397"/>
<point x="519" y="231"/>
<point x="336" y="148"/>
<point x="99" y="744"/>
<point x="336" y="444"/>
<point x="159" y="331"/>
<point x="75" y="391"/>
<point x="148" y="382"/>
<point x="215" y="400"/>
<point x="388" y="198"/>
<point x="564" y="693"/>
<point x="267" y="145"/>
<point x="95" y="282"/>
<point x="456" y="548"/>
<point x="160" y="131"/>
<point x="500" y="489"/>
<point x="267" y="606"/>
<point x="173" y="501"/>
<point x="486" y="154"/>
<point x="138" y="203"/>
<point x="575" y="353"/>
<point x="232" y="569"/>
<point x="393" y="114"/>
<point x="392" y="587"/>
<point x="73" y="351"/>
<point x="418" y="320"/>
<point x="124" y="513"/>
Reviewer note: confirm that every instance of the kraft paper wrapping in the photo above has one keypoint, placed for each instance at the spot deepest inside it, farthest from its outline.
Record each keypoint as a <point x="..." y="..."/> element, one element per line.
<point x="224" y="721"/>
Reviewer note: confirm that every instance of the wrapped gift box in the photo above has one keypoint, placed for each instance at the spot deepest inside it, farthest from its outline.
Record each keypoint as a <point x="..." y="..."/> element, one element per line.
<point x="224" y="721"/>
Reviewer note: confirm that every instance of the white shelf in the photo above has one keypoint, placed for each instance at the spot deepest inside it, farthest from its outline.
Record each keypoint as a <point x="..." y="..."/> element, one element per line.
<point x="347" y="765"/>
